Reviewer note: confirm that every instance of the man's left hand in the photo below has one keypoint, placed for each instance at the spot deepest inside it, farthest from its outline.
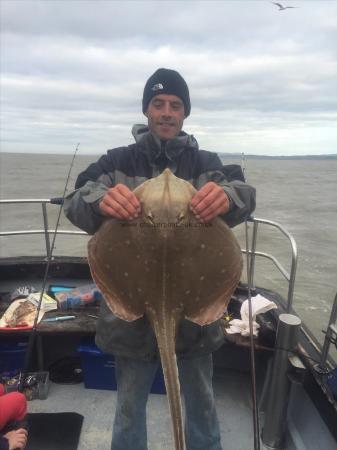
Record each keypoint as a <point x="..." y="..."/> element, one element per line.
<point x="209" y="202"/>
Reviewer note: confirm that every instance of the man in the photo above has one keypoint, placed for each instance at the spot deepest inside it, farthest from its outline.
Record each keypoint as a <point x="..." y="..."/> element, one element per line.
<point x="105" y="190"/>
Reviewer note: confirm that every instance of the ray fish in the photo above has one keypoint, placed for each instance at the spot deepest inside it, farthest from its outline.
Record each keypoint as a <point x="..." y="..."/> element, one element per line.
<point x="169" y="266"/>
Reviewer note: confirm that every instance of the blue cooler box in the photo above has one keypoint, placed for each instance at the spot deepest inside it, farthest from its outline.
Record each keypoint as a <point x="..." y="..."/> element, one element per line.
<point x="12" y="358"/>
<point x="99" y="369"/>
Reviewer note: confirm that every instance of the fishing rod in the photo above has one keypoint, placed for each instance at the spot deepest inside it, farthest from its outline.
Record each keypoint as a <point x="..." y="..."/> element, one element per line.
<point x="252" y="347"/>
<point x="256" y="424"/>
<point x="33" y="333"/>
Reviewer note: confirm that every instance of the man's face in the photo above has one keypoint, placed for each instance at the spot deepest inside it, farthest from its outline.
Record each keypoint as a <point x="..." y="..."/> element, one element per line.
<point x="165" y="114"/>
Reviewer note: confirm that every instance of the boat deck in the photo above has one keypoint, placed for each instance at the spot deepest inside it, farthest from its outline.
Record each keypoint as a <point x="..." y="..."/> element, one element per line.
<point x="233" y="399"/>
<point x="306" y="425"/>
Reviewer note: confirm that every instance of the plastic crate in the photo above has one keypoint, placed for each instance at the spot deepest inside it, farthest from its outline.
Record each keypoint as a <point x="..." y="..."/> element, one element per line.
<point x="99" y="370"/>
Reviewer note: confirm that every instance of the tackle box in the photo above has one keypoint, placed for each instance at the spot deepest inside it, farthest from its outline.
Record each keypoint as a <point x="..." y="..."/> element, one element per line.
<point x="35" y="387"/>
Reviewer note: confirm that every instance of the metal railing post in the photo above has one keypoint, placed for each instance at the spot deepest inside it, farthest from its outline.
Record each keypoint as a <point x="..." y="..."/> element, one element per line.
<point x="253" y="254"/>
<point x="292" y="277"/>
<point x="45" y="225"/>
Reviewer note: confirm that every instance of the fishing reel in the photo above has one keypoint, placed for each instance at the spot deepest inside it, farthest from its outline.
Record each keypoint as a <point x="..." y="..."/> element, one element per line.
<point x="30" y="381"/>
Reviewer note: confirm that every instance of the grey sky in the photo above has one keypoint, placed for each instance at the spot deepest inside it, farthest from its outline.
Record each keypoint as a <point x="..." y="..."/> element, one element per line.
<point x="261" y="81"/>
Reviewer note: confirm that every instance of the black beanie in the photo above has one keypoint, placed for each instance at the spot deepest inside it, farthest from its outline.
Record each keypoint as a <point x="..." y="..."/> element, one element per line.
<point x="167" y="81"/>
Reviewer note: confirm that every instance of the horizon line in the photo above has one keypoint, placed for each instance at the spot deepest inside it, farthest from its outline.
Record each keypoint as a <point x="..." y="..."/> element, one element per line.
<point x="234" y="154"/>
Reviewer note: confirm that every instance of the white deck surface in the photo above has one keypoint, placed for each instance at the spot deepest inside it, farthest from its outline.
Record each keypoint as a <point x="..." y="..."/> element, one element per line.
<point x="233" y="399"/>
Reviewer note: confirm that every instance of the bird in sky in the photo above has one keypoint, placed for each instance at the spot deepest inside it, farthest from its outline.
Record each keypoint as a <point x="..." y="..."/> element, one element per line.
<point x="282" y="8"/>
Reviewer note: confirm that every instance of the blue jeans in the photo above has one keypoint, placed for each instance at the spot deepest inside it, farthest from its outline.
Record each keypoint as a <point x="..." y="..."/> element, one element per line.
<point x="134" y="380"/>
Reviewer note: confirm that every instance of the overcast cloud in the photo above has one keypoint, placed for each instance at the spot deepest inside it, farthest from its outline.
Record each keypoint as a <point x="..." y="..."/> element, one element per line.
<point x="261" y="81"/>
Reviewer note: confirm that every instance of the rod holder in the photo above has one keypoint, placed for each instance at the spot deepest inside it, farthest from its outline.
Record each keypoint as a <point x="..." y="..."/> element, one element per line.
<point x="273" y="433"/>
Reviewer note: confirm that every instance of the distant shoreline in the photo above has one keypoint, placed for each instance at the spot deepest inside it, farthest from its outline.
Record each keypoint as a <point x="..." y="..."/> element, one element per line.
<point x="332" y="156"/>
<point x="329" y="156"/>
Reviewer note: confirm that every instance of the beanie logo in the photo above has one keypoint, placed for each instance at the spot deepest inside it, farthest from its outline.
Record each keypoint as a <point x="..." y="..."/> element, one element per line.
<point x="157" y="87"/>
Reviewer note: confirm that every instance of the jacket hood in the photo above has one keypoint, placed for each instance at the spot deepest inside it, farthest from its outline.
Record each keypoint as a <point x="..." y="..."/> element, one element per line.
<point x="162" y="154"/>
<point x="140" y="131"/>
<point x="154" y="147"/>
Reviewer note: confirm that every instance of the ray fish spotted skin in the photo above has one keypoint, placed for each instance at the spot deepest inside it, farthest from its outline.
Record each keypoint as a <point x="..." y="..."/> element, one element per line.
<point x="167" y="265"/>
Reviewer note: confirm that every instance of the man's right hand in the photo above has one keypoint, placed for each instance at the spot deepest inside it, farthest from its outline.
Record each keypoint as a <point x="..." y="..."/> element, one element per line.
<point x="121" y="203"/>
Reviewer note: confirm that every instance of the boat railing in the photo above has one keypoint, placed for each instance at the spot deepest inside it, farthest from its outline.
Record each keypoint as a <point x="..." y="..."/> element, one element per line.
<point x="289" y="276"/>
<point x="252" y="252"/>
<point x="330" y="338"/>
<point x="46" y="231"/>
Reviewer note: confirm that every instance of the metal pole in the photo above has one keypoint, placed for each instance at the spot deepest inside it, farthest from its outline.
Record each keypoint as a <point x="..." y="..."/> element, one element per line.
<point x="45" y="224"/>
<point x="253" y="255"/>
<point x="273" y="432"/>
<point x="291" y="286"/>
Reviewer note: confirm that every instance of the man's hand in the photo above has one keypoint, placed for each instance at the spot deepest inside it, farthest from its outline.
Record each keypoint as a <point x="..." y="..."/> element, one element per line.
<point x="17" y="439"/>
<point x="209" y="202"/>
<point x="121" y="203"/>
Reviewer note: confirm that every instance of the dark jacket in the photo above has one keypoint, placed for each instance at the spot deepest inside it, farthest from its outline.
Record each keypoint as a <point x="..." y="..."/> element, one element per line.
<point x="132" y="166"/>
